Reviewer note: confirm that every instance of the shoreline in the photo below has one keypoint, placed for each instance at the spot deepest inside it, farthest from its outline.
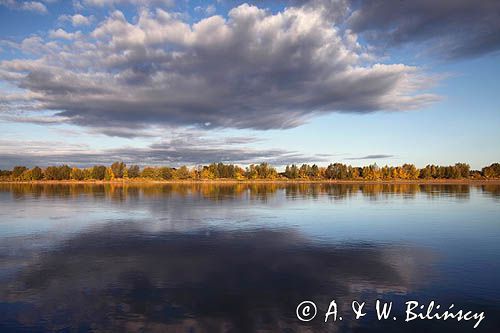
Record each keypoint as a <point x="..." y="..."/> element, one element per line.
<point x="260" y="181"/>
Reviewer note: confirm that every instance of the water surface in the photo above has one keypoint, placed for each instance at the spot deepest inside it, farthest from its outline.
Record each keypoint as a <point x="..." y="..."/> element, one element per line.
<point x="240" y="258"/>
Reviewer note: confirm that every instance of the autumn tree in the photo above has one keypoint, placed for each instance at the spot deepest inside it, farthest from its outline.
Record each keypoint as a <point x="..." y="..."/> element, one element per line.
<point x="150" y="172"/>
<point x="491" y="171"/>
<point x="109" y="175"/>
<point x="98" y="172"/>
<point x="118" y="169"/>
<point x="336" y="171"/>
<point x="166" y="173"/>
<point x="462" y="170"/>
<point x="62" y="172"/>
<point x="36" y="173"/>
<point x="182" y="172"/>
<point x="134" y="171"/>
<point x="77" y="174"/>
<point x="26" y="175"/>
<point x="51" y="173"/>
<point x="5" y="174"/>
<point x="291" y="172"/>
<point x="17" y="171"/>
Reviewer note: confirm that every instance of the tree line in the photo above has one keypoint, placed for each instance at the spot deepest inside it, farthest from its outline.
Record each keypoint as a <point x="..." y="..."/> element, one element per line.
<point x="334" y="171"/>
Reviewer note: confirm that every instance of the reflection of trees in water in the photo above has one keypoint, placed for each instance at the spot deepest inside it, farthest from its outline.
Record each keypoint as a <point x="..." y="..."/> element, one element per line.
<point x="125" y="279"/>
<point x="254" y="191"/>
<point x="493" y="190"/>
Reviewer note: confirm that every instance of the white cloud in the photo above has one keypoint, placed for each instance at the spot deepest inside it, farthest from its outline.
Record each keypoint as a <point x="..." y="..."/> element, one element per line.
<point x="102" y="3"/>
<point x="62" y="34"/>
<point x="207" y="11"/>
<point x="77" y="19"/>
<point x="33" y="6"/>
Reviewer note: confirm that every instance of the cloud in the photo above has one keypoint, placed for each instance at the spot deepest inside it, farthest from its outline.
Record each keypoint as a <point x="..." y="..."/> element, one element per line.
<point x="77" y="19"/>
<point x="208" y="10"/>
<point x="370" y="157"/>
<point x="62" y="34"/>
<point x="254" y="69"/>
<point x="451" y="28"/>
<point x="33" y="6"/>
<point x="103" y="3"/>
<point x="183" y="148"/>
<point x="207" y="279"/>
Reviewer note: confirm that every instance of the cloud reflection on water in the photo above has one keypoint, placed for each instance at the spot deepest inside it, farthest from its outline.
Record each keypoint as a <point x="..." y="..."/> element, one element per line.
<point x="123" y="278"/>
<point x="204" y="257"/>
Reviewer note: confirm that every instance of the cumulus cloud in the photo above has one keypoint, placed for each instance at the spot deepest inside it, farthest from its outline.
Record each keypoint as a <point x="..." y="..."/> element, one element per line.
<point x="33" y="6"/>
<point x="102" y="3"/>
<point x="62" y="34"/>
<point x="77" y="19"/>
<point x="453" y="28"/>
<point x="254" y="69"/>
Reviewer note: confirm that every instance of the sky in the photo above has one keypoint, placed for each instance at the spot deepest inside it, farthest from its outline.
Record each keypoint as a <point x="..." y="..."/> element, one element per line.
<point x="173" y="82"/>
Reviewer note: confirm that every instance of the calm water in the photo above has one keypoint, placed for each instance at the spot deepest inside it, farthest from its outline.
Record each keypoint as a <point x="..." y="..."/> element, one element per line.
<point x="240" y="258"/>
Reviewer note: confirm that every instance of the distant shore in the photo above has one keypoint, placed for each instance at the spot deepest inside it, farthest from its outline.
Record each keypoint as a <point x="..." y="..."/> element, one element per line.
<point x="141" y="181"/>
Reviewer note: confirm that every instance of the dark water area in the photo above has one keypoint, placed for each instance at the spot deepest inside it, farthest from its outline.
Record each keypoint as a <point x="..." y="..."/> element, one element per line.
<point x="241" y="258"/>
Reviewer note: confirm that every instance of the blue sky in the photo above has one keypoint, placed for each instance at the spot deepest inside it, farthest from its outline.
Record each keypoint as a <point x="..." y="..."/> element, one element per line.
<point x="189" y="82"/>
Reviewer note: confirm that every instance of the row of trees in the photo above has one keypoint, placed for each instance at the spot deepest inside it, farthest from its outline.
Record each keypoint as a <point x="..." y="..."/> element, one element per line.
<point x="120" y="170"/>
<point x="335" y="171"/>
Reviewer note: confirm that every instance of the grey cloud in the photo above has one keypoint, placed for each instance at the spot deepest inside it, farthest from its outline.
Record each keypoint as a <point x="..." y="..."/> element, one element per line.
<point x="183" y="149"/>
<point x="254" y="69"/>
<point x="125" y="132"/>
<point x="370" y="157"/>
<point x="453" y="28"/>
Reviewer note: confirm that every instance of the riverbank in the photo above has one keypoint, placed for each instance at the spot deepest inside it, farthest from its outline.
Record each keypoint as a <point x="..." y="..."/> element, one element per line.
<point x="140" y="181"/>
